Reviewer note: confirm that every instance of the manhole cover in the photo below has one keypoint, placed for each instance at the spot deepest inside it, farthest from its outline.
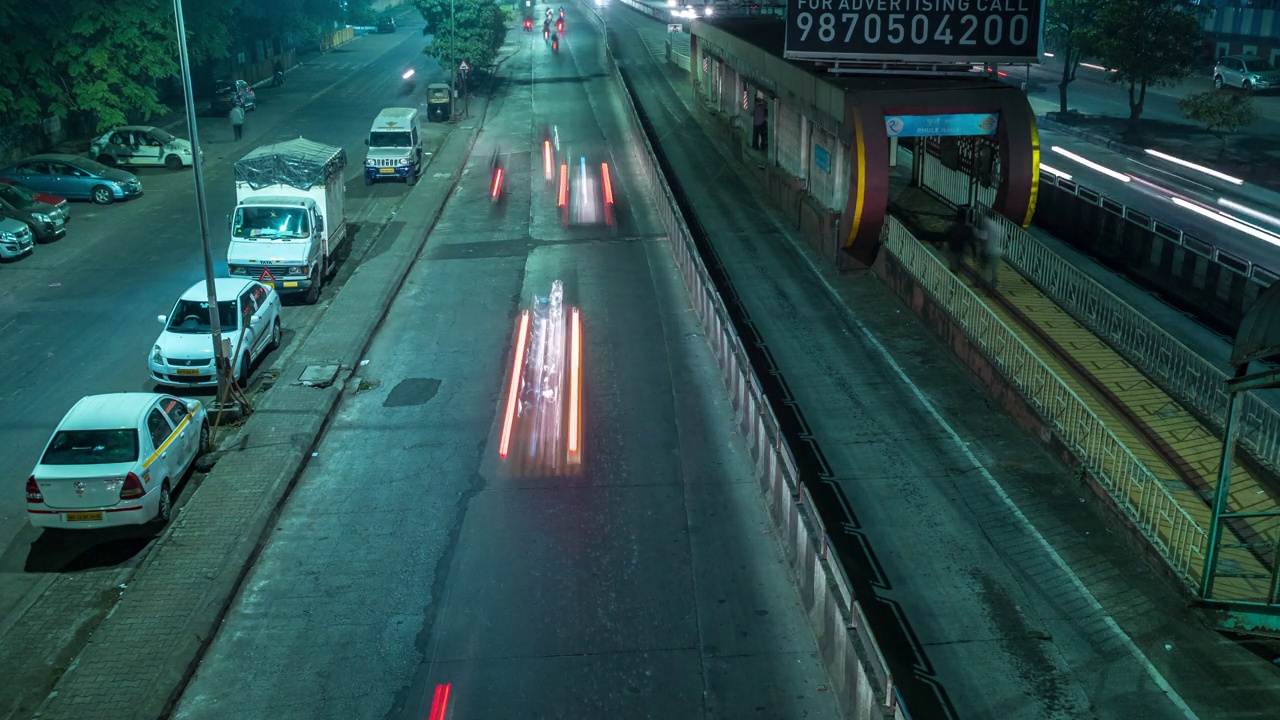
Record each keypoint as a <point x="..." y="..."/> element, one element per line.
<point x="321" y="375"/>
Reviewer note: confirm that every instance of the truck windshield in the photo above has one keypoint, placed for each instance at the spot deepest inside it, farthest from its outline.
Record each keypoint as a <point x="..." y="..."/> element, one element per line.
<point x="270" y="223"/>
<point x="390" y="140"/>
<point x="192" y="317"/>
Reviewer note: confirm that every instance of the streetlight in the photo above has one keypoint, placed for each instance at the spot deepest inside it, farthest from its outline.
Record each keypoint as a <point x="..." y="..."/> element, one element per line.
<point x="215" y="325"/>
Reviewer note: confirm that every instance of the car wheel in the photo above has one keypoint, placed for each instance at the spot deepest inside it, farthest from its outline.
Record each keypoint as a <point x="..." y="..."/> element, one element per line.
<point x="102" y="195"/>
<point x="164" y="511"/>
<point x="36" y="234"/>
<point x="243" y="379"/>
<point x="173" y="162"/>
<point x="1246" y="86"/>
<point x="1217" y="82"/>
<point x="206" y="440"/>
<point x="413" y="177"/>
<point x="276" y="335"/>
<point x="107" y="160"/>
<point x="313" y="293"/>
<point x="368" y="180"/>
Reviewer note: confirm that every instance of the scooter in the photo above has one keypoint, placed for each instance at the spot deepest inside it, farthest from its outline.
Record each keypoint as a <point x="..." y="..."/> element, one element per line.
<point x="555" y="44"/>
<point x="495" y="186"/>
<point x="408" y="80"/>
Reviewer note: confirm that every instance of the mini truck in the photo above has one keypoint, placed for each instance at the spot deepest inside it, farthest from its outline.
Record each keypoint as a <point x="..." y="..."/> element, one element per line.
<point x="290" y="218"/>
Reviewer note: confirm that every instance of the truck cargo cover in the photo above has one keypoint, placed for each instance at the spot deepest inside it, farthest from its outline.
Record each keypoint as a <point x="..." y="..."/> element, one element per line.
<point x="299" y="163"/>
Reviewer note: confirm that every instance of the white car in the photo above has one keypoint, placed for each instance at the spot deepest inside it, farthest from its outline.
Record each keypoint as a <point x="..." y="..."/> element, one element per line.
<point x="141" y="146"/>
<point x="114" y="460"/>
<point x="183" y="354"/>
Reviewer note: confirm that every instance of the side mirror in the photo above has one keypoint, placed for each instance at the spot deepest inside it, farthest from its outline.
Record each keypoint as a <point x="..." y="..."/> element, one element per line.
<point x="319" y="224"/>
<point x="161" y="319"/>
<point x="366" y="141"/>
<point x="228" y="221"/>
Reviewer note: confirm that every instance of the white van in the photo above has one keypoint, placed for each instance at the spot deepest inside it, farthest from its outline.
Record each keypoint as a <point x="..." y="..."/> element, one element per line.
<point x="395" y="147"/>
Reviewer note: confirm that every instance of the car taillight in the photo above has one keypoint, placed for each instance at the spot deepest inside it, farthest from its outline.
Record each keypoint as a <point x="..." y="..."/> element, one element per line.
<point x="132" y="488"/>
<point x="497" y="184"/>
<point x="33" y="491"/>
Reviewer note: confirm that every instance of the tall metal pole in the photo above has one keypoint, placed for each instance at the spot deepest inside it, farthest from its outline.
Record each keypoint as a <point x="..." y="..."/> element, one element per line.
<point x="453" y="50"/>
<point x="215" y="324"/>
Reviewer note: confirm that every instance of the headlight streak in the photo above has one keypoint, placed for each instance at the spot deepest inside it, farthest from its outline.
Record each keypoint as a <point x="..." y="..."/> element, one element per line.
<point x="513" y="391"/>
<point x="1225" y="219"/>
<point x="548" y="162"/>
<point x="1248" y="211"/>
<point x="1092" y="165"/>
<point x="1198" y="168"/>
<point x="1054" y="171"/>
<point x="575" y="382"/>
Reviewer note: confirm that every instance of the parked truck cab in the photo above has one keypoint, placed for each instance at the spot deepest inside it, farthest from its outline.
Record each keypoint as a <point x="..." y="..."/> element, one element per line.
<point x="290" y="218"/>
<point x="395" y="147"/>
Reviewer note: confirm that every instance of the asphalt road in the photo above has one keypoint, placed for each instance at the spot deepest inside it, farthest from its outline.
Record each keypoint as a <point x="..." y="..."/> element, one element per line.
<point x="408" y="558"/>
<point x="981" y="611"/>
<point x="78" y="317"/>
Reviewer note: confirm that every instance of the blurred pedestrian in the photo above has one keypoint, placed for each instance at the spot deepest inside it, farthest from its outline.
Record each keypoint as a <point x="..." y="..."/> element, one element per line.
<point x="759" y="121"/>
<point x="237" y="120"/>
<point x="959" y="238"/>
<point x="992" y="248"/>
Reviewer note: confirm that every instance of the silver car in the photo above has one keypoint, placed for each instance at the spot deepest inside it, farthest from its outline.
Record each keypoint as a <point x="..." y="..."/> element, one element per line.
<point x="16" y="239"/>
<point x="1247" y="72"/>
<point x="74" y="177"/>
<point x="141" y="146"/>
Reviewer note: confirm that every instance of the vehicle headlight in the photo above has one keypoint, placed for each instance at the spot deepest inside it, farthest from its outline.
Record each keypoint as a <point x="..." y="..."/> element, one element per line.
<point x="42" y="217"/>
<point x="156" y="356"/>
<point x="116" y="184"/>
<point x="402" y="161"/>
<point x="370" y="162"/>
<point x="296" y="270"/>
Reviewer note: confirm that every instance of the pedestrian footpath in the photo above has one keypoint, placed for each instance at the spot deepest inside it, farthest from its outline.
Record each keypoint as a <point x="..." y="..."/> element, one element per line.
<point x="138" y="659"/>
<point x="1180" y="451"/>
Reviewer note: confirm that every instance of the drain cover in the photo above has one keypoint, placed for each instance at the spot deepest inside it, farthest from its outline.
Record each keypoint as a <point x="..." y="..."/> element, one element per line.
<point x="321" y="375"/>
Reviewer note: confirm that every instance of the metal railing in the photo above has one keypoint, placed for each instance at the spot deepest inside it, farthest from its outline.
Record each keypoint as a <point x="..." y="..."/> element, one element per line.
<point x="952" y="185"/>
<point x="855" y="665"/>
<point x="1136" y="491"/>
<point x="1197" y="383"/>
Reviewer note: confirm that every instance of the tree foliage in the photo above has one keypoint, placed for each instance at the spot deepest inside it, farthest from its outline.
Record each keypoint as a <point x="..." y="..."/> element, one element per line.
<point x="298" y="22"/>
<point x="1072" y="27"/>
<point x="481" y="28"/>
<point x="1220" y="112"/>
<point x="1148" y="43"/>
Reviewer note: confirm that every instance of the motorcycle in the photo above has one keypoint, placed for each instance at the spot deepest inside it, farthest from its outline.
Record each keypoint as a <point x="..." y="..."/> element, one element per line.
<point x="560" y="27"/>
<point x="495" y="186"/>
<point x="528" y="25"/>
<point x="555" y="44"/>
<point x="278" y="79"/>
<point x="561" y="13"/>
<point x="407" y="77"/>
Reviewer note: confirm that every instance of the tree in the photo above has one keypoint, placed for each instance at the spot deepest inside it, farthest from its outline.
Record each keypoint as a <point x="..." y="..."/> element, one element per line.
<point x="482" y="26"/>
<point x="1221" y="112"/>
<point x="97" y="57"/>
<point x="1148" y="43"/>
<point x="298" y="22"/>
<point x="1071" y="24"/>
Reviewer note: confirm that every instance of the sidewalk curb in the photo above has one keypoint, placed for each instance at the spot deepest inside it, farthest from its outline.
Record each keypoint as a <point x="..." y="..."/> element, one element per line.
<point x="283" y="434"/>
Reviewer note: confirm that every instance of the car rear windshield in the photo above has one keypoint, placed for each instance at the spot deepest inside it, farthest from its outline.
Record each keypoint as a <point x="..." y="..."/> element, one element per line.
<point x="390" y="139"/>
<point x="192" y="316"/>
<point x="92" y="447"/>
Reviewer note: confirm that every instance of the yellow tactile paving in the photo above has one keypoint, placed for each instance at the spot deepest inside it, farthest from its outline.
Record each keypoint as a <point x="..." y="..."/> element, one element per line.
<point x="1168" y="420"/>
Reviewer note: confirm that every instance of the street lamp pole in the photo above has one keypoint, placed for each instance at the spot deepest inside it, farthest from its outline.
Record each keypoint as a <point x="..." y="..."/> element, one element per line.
<point x="453" y="49"/>
<point x="215" y="324"/>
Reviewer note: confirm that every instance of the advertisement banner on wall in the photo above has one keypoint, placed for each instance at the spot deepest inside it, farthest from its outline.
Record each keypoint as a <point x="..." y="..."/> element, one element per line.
<point x="943" y="31"/>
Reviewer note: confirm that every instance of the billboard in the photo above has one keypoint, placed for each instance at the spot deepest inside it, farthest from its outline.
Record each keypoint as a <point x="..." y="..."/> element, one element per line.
<point x="978" y="31"/>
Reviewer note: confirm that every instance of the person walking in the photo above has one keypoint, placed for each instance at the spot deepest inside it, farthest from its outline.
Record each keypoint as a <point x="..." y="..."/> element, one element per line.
<point x="237" y="120"/>
<point x="759" y="119"/>
<point x="992" y="248"/>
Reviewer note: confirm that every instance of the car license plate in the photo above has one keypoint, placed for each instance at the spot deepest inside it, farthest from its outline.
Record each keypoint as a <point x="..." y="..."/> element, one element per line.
<point x="188" y="371"/>
<point x="57" y="222"/>
<point x="84" y="517"/>
<point x="387" y="171"/>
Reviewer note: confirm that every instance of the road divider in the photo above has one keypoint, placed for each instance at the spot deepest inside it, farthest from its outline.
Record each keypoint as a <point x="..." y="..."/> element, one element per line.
<point x="856" y="668"/>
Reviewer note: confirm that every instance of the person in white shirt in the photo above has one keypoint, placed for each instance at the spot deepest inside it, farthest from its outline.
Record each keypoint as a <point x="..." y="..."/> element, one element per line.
<point x="991" y="235"/>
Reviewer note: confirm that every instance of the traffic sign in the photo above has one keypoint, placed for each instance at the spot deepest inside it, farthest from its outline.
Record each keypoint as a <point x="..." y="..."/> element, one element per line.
<point x="463" y="66"/>
<point x="266" y="276"/>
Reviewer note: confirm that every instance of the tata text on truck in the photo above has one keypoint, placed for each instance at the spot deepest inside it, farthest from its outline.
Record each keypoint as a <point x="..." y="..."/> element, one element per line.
<point x="290" y="218"/>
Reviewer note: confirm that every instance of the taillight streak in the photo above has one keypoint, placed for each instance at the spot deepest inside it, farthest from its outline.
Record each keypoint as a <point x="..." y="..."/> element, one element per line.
<point x="497" y="183"/>
<point x="514" y="390"/>
<point x="562" y="198"/>
<point x="548" y="168"/>
<point x="608" y="183"/>
<point x="440" y="702"/>
<point x="575" y="381"/>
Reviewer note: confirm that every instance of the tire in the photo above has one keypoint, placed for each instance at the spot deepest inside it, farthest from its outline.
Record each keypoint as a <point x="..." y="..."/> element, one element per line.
<point x="1217" y="82"/>
<point x="413" y="177"/>
<point x="164" y="511"/>
<point x="317" y="284"/>
<point x="102" y="195"/>
<point x="243" y="379"/>
<point x="276" y="335"/>
<point x="36" y="234"/>
<point x="368" y="180"/>
<point x="1246" y="86"/>
<point x="173" y="162"/>
<point x="206" y="440"/>
<point x="107" y="160"/>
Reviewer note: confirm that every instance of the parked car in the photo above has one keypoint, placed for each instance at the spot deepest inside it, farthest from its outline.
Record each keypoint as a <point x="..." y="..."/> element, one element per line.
<point x="115" y="460"/>
<point x="16" y="239"/>
<point x="183" y="354"/>
<point x="226" y="93"/>
<point x="54" y="200"/>
<point x="1247" y="72"/>
<point x="142" y="146"/>
<point x="47" y="223"/>
<point x="75" y="177"/>
<point x="386" y="24"/>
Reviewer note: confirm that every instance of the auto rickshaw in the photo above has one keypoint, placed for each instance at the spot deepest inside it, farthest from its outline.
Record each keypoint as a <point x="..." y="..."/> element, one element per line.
<point x="440" y="99"/>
